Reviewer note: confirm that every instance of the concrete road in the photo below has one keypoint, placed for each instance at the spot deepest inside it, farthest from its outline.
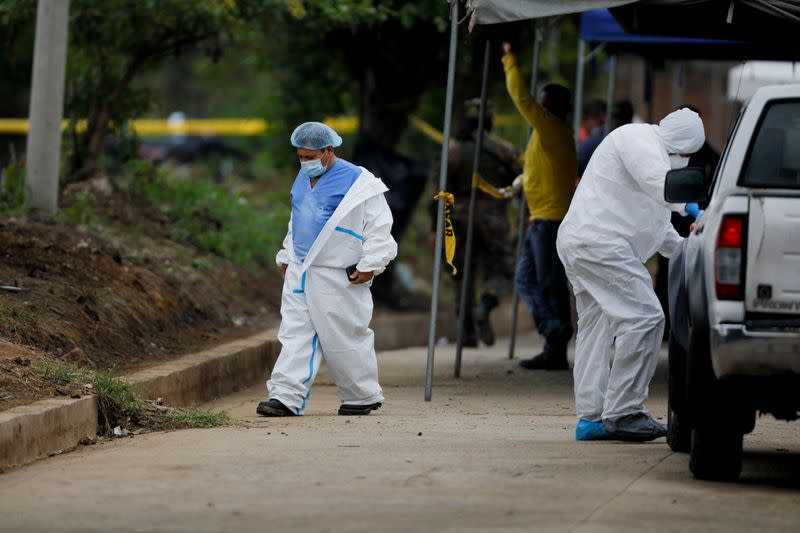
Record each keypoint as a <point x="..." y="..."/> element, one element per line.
<point x="494" y="451"/>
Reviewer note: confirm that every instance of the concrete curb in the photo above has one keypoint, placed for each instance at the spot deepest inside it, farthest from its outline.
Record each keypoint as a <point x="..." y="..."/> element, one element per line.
<point x="212" y="373"/>
<point x="30" y="432"/>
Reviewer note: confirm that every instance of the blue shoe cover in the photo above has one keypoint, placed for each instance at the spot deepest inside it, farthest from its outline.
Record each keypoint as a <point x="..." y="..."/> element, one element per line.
<point x="588" y="430"/>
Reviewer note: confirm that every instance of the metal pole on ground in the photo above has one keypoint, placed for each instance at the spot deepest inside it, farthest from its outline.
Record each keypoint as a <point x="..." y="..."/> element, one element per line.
<point x="437" y="254"/>
<point x="612" y="88"/>
<point x="512" y="341"/>
<point x="576" y="119"/>
<point x="43" y="153"/>
<point x="465" y="284"/>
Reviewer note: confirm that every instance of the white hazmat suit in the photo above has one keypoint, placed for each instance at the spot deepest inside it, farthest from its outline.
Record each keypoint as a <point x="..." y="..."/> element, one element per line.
<point x="323" y="314"/>
<point x="617" y="220"/>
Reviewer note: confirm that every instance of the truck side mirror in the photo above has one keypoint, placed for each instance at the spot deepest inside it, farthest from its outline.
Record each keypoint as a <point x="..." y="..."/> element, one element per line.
<point x="684" y="185"/>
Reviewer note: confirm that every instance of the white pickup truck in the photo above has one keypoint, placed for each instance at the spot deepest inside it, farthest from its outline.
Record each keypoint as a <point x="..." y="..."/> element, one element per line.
<point x="735" y="289"/>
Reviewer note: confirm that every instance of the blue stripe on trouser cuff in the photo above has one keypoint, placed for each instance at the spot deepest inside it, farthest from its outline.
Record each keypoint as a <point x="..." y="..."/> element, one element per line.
<point x="350" y="232"/>
<point x="310" y="373"/>
<point x="302" y="285"/>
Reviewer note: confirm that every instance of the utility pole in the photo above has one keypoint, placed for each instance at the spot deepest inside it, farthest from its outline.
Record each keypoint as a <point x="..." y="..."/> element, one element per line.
<point x="47" y="101"/>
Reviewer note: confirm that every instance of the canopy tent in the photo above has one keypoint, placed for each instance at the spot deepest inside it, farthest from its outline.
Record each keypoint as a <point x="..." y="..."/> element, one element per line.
<point x="744" y="80"/>
<point x="772" y="22"/>
<point x="600" y="26"/>
<point x="496" y="11"/>
<point x="759" y="21"/>
<point x="763" y="20"/>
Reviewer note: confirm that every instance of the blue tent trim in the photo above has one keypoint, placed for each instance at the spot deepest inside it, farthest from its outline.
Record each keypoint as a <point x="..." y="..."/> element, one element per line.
<point x="600" y="26"/>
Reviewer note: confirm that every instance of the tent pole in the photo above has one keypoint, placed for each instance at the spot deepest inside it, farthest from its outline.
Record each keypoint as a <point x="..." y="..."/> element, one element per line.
<point x="512" y="341"/>
<point x="648" y="90"/>
<point x="612" y="88"/>
<point x="576" y="119"/>
<point x="465" y="284"/>
<point x="437" y="255"/>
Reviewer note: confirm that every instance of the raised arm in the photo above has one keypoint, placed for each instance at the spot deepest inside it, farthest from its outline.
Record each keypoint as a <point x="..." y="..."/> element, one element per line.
<point x="520" y="93"/>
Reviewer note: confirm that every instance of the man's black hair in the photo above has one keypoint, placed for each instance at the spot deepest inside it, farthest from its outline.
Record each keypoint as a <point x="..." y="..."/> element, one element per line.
<point x="622" y="113"/>
<point x="558" y="99"/>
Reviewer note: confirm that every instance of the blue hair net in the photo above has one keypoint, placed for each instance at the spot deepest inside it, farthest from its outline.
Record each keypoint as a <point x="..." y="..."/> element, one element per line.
<point x="315" y="136"/>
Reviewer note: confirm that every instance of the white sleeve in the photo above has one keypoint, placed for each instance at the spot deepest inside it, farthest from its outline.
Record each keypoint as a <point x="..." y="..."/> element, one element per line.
<point x="379" y="248"/>
<point x="644" y="160"/>
<point x="283" y="254"/>
<point x="671" y="242"/>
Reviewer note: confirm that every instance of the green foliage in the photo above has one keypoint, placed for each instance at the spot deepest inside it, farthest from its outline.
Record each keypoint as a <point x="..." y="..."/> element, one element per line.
<point x="370" y="57"/>
<point x="113" y="41"/>
<point x="120" y="405"/>
<point x="215" y="218"/>
<point x="62" y="374"/>
<point x="12" y="188"/>
<point x="81" y="211"/>
<point x="117" y="400"/>
<point x="14" y="314"/>
<point x="197" y="418"/>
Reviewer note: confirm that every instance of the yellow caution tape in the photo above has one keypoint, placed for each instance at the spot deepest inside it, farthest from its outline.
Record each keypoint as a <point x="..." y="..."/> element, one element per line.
<point x="231" y="126"/>
<point x="486" y="187"/>
<point x="449" y="232"/>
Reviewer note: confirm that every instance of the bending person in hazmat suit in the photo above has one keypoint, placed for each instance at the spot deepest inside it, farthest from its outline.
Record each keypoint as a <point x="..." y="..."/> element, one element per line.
<point x="617" y="220"/>
<point x="339" y="238"/>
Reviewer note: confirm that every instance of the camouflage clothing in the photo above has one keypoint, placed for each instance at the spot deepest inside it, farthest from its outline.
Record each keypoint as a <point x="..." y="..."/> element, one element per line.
<point x="492" y="257"/>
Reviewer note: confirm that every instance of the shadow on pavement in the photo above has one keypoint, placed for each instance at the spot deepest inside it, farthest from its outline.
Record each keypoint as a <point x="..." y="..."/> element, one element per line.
<point x="775" y="469"/>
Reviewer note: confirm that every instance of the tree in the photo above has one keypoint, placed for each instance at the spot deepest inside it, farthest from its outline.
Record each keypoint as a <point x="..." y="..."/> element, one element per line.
<point x="113" y="41"/>
<point x="374" y="56"/>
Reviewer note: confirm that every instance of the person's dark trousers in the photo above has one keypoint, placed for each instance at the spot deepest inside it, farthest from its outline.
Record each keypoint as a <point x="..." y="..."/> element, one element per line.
<point x="460" y="231"/>
<point x="543" y="286"/>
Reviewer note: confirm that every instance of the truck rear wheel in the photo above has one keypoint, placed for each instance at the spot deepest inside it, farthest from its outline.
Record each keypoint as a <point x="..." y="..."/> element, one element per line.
<point x="716" y="453"/>
<point x="679" y="434"/>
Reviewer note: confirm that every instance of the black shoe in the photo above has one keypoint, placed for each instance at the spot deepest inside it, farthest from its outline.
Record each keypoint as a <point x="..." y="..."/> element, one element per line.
<point x="273" y="408"/>
<point x="347" y="409"/>
<point x="638" y="427"/>
<point x="545" y="362"/>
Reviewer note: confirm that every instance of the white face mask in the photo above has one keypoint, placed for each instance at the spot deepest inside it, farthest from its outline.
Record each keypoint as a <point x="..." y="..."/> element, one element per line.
<point x="314" y="167"/>
<point x="678" y="161"/>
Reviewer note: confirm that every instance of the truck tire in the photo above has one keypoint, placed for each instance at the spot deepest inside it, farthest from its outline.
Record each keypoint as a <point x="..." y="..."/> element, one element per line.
<point x="679" y="434"/>
<point x="716" y="453"/>
<point x="702" y="395"/>
<point x="676" y="376"/>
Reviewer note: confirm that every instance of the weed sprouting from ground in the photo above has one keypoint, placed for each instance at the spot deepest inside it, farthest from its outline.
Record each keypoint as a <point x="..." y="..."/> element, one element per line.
<point x="117" y="400"/>
<point x="61" y="374"/>
<point x="12" y="189"/>
<point x="13" y="315"/>
<point x="119" y="404"/>
<point x="197" y="418"/>
<point x="82" y="211"/>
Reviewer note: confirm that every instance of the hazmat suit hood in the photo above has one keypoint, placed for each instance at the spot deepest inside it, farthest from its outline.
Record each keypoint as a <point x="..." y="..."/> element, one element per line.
<point x="682" y="132"/>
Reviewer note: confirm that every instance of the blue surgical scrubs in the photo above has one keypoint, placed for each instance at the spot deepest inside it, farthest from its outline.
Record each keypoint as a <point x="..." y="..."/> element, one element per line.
<point x="312" y="207"/>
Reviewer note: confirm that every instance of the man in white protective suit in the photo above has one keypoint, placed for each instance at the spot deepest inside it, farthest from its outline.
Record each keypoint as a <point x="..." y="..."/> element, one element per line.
<point x="338" y="240"/>
<point x="618" y="219"/>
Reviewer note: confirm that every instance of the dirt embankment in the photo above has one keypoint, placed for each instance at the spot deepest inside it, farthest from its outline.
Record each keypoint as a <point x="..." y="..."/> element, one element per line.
<point x="121" y="294"/>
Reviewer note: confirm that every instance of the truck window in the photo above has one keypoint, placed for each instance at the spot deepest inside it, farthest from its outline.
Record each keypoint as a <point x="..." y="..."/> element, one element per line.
<point x="773" y="160"/>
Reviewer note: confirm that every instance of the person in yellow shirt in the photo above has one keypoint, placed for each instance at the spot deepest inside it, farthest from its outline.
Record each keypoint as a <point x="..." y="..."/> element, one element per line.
<point x="550" y="172"/>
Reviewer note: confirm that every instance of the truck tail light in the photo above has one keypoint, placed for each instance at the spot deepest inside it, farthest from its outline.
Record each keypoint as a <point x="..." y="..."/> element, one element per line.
<point x="729" y="258"/>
